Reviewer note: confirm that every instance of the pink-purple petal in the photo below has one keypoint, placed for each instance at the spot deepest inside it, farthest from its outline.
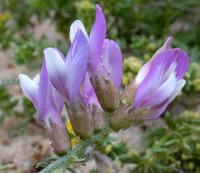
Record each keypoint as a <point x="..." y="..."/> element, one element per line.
<point x="58" y="100"/>
<point x="112" y="59"/>
<point x="165" y="46"/>
<point x="146" y="67"/>
<point x="148" y="85"/>
<point x="57" y="70"/>
<point x="49" y="106"/>
<point x="96" y="39"/>
<point x="76" y="63"/>
<point x="29" y="88"/>
<point x="43" y="96"/>
<point x="88" y="93"/>
<point x="182" y="61"/>
<point x="162" y="94"/>
<point x="156" y="111"/>
<point x="75" y="26"/>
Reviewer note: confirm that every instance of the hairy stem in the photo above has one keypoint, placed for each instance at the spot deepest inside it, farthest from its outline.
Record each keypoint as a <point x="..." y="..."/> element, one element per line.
<point x="65" y="161"/>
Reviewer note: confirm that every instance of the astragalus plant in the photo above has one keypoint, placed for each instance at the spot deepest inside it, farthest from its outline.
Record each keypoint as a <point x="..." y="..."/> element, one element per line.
<point x="87" y="80"/>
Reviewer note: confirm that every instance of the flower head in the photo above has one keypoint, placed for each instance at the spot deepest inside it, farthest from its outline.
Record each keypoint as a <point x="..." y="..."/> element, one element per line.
<point x="105" y="60"/>
<point x="49" y="104"/>
<point x="104" y="54"/>
<point x="69" y="77"/>
<point x="43" y="95"/>
<point x="160" y="80"/>
<point x="67" y="74"/>
<point x="72" y="80"/>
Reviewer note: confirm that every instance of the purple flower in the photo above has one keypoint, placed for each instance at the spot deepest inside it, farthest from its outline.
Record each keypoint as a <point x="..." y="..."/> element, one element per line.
<point x="69" y="77"/>
<point x="48" y="104"/>
<point x="160" y="80"/>
<point x="156" y="85"/>
<point x="43" y="95"/>
<point x="67" y="74"/>
<point x="96" y="38"/>
<point x="104" y="54"/>
<point x="105" y="59"/>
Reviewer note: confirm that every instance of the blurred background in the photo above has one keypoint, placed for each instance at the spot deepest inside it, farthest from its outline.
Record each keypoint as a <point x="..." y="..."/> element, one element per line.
<point x="140" y="27"/>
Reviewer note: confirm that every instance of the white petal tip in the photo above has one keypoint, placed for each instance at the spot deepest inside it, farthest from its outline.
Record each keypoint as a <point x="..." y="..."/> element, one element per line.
<point x="48" y="51"/>
<point x="75" y="26"/>
<point x="23" y="77"/>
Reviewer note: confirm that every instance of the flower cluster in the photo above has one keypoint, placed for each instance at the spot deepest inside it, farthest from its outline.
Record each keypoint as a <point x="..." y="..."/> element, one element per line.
<point x="87" y="81"/>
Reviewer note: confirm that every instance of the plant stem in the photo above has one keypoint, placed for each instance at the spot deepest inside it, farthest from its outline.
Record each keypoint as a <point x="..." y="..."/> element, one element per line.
<point x="64" y="161"/>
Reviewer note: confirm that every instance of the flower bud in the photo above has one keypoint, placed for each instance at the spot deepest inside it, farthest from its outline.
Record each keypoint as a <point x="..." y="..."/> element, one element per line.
<point x="81" y="119"/>
<point x="106" y="92"/>
<point x="59" y="137"/>
<point x="122" y="117"/>
<point x="100" y="119"/>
